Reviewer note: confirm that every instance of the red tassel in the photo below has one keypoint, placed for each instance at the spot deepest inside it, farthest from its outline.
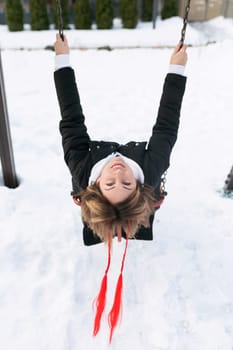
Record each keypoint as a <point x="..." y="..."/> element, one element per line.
<point x="116" y="310"/>
<point x="100" y="301"/>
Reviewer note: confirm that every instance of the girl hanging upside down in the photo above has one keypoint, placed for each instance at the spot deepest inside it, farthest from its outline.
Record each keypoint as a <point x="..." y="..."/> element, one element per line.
<point x="118" y="187"/>
<point x="117" y="184"/>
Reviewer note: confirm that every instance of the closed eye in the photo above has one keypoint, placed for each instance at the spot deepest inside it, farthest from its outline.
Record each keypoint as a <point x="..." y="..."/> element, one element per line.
<point x="126" y="183"/>
<point x="111" y="185"/>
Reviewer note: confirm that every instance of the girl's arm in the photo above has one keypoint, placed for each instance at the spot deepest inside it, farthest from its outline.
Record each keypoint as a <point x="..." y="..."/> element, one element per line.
<point x="75" y="139"/>
<point x="164" y="133"/>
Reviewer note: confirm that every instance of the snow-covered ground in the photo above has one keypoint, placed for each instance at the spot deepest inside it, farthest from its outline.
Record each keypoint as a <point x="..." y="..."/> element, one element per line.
<point x="178" y="289"/>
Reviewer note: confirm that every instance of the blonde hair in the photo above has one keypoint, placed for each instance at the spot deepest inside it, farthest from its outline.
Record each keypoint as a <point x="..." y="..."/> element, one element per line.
<point x="105" y="218"/>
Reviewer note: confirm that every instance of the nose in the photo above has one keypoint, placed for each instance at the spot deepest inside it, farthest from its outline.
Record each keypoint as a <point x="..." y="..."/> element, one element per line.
<point x="117" y="174"/>
<point x="118" y="171"/>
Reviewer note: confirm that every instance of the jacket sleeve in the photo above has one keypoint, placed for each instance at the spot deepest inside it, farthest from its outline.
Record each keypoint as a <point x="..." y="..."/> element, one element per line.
<point x="75" y="139"/>
<point x="164" y="133"/>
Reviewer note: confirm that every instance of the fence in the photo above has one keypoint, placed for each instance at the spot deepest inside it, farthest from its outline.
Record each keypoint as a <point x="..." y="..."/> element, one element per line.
<point x="201" y="10"/>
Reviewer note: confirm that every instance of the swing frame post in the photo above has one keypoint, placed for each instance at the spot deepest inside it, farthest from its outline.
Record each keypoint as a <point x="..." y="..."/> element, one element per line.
<point x="229" y="181"/>
<point x="154" y="12"/>
<point x="6" y="150"/>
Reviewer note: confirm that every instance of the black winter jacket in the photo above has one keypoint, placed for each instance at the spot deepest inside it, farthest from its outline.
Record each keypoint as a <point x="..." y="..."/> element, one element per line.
<point x="81" y="153"/>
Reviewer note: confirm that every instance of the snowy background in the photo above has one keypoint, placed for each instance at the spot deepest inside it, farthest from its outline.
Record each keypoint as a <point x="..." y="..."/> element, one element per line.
<point x="178" y="289"/>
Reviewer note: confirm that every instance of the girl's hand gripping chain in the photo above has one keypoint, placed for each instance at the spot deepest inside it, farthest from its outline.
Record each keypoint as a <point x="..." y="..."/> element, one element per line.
<point x="61" y="47"/>
<point x="179" y="55"/>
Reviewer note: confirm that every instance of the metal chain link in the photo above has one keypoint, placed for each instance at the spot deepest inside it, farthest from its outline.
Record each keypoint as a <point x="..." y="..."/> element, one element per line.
<point x="183" y="31"/>
<point x="60" y="20"/>
<point x="163" y="182"/>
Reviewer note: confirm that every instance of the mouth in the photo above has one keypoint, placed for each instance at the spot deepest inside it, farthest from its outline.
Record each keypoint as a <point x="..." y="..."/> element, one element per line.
<point x="117" y="165"/>
<point x="117" y="162"/>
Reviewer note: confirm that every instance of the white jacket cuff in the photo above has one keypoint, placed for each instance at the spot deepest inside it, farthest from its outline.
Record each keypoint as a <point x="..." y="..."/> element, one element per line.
<point x="62" y="61"/>
<point x="176" y="68"/>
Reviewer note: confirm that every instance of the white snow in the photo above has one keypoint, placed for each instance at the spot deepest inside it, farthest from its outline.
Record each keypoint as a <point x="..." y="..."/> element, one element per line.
<point x="178" y="289"/>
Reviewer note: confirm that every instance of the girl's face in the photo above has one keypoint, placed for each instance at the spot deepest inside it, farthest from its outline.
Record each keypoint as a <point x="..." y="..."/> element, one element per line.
<point x="117" y="181"/>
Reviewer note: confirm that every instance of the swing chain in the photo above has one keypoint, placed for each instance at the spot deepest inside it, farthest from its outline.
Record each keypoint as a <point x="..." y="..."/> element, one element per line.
<point x="163" y="182"/>
<point x="60" y="20"/>
<point x="187" y="8"/>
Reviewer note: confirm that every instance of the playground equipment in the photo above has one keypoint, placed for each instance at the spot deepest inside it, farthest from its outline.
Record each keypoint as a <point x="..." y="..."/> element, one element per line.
<point x="229" y="182"/>
<point x="6" y="150"/>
